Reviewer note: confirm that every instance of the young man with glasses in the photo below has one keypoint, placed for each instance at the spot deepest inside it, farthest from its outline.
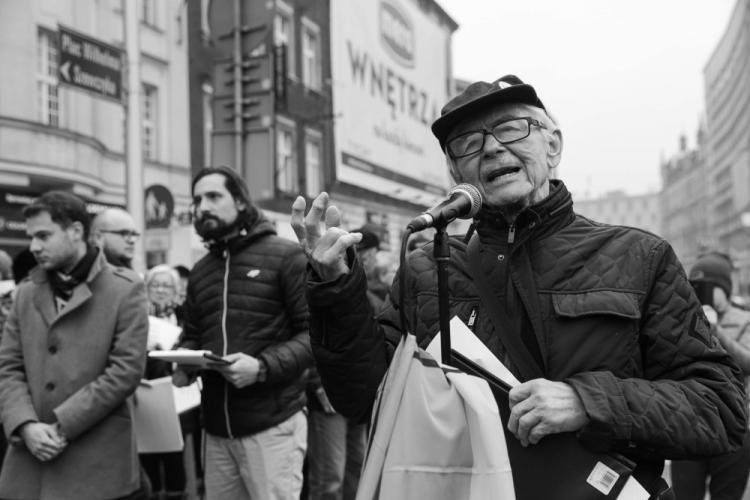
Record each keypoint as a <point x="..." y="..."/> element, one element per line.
<point x="113" y="230"/>
<point x="605" y="313"/>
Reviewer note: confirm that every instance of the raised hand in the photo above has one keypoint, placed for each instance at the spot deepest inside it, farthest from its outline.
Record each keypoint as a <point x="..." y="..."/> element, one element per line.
<point x="324" y="245"/>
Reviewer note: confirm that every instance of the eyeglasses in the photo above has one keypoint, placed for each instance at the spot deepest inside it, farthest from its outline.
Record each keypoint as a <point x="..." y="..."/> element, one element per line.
<point x="505" y="132"/>
<point x="124" y="233"/>
<point x="162" y="286"/>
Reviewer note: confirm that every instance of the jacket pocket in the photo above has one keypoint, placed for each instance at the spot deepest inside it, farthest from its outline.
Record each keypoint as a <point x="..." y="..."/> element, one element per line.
<point x="594" y="330"/>
<point x="600" y="302"/>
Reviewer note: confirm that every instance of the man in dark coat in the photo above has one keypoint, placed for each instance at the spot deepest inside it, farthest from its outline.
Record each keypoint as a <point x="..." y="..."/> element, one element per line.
<point x="245" y="302"/>
<point x="620" y="350"/>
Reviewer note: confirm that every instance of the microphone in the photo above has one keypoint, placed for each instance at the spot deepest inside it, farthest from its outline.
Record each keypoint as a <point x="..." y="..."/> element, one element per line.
<point x="464" y="201"/>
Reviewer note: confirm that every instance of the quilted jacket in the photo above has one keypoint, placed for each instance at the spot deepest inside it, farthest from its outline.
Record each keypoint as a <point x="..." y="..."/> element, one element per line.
<point x="249" y="297"/>
<point x="607" y="309"/>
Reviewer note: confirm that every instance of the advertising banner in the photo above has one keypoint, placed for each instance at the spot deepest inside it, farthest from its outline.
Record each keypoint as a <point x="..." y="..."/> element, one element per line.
<point x="389" y="71"/>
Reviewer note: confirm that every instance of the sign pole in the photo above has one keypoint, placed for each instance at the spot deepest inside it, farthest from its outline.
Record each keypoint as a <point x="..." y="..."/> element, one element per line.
<point x="237" y="59"/>
<point x="134" y="153"/>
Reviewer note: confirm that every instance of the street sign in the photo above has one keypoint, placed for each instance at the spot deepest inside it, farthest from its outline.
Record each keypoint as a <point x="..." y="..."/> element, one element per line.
<point x="89" y="64"/>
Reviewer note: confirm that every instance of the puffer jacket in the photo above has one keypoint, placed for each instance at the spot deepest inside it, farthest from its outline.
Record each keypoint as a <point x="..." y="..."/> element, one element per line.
<point x="604" y="308"/>
<point x="249" y="297"/>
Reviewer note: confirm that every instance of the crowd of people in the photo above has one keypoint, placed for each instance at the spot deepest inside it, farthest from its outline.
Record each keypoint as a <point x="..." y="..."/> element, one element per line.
<point x="610" y="337"/>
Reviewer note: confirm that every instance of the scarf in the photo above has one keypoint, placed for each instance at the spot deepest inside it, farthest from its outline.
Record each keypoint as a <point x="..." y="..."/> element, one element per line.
<point x="63" y="284"/>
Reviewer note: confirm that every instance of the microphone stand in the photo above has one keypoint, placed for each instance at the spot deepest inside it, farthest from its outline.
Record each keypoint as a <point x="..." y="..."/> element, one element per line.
<point x="442" y="253"/>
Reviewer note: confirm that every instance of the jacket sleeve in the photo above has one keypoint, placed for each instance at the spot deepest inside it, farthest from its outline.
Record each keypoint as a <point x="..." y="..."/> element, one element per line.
<point x="690" y="401"/>
<point x="352" y="348"/>
<point x="290" y="358"/>
<point x="17" y="407"/>
<point x="120" y="378"/>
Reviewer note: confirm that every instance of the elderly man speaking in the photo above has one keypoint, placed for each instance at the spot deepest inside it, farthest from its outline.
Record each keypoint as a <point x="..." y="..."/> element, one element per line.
<point x="625" y="358"/>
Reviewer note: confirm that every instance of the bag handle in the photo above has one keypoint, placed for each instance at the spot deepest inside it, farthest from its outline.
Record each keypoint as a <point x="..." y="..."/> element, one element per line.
<point x="520" y="355"/>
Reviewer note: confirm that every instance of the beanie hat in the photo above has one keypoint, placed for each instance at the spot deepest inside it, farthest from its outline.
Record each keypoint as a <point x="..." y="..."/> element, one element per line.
<point x="714" y="268"/>
<point x="369" y="239"/>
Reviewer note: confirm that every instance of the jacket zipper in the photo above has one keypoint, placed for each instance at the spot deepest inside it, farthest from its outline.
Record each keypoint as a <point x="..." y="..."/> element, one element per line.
<point x="511" y="233"/>
<point x="224" y="339"/>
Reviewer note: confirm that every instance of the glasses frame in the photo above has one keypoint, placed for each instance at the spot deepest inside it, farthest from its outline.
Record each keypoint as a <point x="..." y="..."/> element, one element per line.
<point x="485" y="131"/>
<point x="160" y="286"/>
<point x="123" y="233"/>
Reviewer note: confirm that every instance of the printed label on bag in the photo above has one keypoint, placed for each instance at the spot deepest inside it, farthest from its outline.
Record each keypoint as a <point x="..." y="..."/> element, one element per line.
<point x="602" y="478"/>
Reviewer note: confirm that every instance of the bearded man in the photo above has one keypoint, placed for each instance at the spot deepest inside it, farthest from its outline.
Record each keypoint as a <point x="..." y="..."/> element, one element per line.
<point x="245" y="302"/>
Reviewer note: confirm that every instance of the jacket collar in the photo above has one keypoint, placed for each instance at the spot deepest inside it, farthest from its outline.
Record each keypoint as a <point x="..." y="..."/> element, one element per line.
<point x="260" y="227"/>
<point x="44" y="299"/>
<point x="553" y="212"/>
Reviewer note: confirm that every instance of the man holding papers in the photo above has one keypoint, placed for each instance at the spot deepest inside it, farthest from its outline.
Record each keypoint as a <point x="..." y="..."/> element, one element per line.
<point x="245" y="302"/>
<point x="607" y="336"/>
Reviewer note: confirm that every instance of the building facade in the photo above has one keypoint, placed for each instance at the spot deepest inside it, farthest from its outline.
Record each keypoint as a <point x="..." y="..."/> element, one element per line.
<point x="335" y="96"/>
<point x="616" y="207"/>
<point x="63" y="121"/>
<point x="684" y="201"/>
<point x="727" y="98"/>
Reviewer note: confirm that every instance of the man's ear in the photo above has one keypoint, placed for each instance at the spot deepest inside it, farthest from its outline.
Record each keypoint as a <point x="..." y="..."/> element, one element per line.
<point x="96" y="238"/>
<point x="240" y="205"/>
<point x="554" y="148"/>
<point x="76" y="230"/>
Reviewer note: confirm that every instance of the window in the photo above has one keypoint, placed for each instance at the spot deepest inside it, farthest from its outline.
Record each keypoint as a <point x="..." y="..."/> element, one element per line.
<point x="311" y="60"/>
<point x="208" y="122"/>
<point x="148" y="12"/>
<point x="286" y="159"/>
<point x="149" y="120"/>
<point x="313" y="163"/>
<point x="49" y="99"/>
<point x="283" y="32"/>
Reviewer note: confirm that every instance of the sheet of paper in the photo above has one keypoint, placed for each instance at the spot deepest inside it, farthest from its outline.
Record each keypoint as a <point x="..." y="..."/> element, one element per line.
<point x="161" y="333"/>
<point x="188" y="397"/>
<point x="633" y="491"/>
<point x="157" y="426"/>
<point x="465" y="342"/>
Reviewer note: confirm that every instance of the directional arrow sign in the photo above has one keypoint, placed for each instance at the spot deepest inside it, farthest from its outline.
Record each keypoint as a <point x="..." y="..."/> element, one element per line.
<point x="89" y="64"/>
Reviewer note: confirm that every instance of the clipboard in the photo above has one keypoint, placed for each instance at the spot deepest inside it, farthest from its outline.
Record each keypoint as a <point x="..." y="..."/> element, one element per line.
<point x="558" y="461"/>
<point x="189" y="357"/>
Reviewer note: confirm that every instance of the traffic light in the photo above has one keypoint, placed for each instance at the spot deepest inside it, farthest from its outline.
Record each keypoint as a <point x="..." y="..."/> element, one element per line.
<point x="256" y="90"/>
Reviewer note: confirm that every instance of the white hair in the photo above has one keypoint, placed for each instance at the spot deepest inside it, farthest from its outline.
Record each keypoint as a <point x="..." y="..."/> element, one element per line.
<point x="163" y="269"/>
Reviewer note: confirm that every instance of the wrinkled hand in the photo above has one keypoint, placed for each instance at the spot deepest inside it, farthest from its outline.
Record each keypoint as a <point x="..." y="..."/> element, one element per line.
<point x="242" y="370"/>
<point x="540" y="407"/>
<point x="326" y="250"/>
<point x="43" y="440"/>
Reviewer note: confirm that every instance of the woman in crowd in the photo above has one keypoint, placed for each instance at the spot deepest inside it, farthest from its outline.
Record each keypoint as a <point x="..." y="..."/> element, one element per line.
<point x="166" y="471"/>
